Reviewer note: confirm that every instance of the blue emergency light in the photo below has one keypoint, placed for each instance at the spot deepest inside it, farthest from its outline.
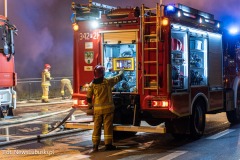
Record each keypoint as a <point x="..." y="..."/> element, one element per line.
<point x="170" y="8"/>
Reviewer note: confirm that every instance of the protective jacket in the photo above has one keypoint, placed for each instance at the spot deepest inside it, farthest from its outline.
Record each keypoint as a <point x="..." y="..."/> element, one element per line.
<point x="101" y="91"/>
<point x="46" y="77"/>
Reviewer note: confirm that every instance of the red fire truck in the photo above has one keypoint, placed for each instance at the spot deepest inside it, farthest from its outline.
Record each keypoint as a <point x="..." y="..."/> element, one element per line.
<point x="179" y="65"/>
<point x="8" y="77"/>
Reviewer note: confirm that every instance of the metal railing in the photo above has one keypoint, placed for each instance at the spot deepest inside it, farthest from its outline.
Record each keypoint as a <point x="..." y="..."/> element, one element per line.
<point x="30" y="88"/>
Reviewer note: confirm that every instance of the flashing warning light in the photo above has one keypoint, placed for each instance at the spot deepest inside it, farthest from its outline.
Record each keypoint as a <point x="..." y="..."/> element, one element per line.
<point x="200" y="20"/>
<point x="170" y="8"/>
<point x="82" y="102"/>
<point x="75" y="27"/>
<point x="218" y="25"/>
<point x="160" y="103"/>
<point x="79" y="102"/>
<point x="94" y="24"/>
<point x="75" y="102"/>
<point x="179" y="14"/>
<point x="233" y="30"/>
<point x="165" y="22"/>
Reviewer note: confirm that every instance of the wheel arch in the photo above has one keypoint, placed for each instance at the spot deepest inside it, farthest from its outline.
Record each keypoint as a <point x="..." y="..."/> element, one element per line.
<point x="236" y="84"/>
<point x="200" y="97"/>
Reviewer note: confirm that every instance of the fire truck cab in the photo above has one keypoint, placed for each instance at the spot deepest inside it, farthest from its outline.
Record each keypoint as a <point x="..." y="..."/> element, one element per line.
<point x="177" y="68"/>
<point x="8" y="76"/>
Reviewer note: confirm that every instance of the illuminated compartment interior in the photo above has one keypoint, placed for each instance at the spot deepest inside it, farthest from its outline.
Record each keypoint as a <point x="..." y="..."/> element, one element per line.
<point x="188" y="58"/>
<point x="198" y="60"/>
<point x="116" y="56"/>
<point x="179" y="60"/>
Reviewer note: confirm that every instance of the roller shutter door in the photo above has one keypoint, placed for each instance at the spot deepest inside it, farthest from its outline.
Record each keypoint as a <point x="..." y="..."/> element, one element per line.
<point x="119" y="38"/>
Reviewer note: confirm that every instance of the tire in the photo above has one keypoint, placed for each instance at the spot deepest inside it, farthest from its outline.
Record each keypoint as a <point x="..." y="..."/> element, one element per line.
<point x="10" y="111"/>
<point x="234" y="115"/>
<point x="179" y="136"/>
<point x="178" y="128"/>
<point x="197" y="120"/>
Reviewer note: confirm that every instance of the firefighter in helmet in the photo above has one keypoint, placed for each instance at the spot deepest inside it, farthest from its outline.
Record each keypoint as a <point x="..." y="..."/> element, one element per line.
<point x="101" y="89"/>
<point x="46" y="77"/>
<point x="66" y="82"/>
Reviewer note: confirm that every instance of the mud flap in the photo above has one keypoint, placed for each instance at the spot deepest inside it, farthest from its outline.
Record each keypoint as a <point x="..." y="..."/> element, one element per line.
<point x="10" y="111"/>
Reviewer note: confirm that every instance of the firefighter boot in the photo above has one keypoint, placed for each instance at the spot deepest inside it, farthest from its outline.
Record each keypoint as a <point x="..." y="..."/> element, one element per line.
<point x="110" y="147"/>
<point x="45" y="101"/>
<point x="95" y="148"/>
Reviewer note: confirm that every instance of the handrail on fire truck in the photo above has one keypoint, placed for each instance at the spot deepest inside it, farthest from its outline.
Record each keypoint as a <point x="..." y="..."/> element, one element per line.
<point x="146" y="21"/>
<point x="92" y="10"/>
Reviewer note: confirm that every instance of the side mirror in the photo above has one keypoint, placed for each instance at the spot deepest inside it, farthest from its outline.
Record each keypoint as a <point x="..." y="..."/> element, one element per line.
<point x="5" y="49"/>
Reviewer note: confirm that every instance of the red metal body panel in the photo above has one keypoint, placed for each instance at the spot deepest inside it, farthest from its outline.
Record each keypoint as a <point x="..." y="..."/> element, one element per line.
<point x="86" y="41"/>
<point x="7" y="72"/>
<point x="216" y="100"/>
<point x="180" y="103"/>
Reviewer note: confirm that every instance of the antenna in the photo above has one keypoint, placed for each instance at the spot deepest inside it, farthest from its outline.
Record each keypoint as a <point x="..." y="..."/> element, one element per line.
<point x="5" y="8"/>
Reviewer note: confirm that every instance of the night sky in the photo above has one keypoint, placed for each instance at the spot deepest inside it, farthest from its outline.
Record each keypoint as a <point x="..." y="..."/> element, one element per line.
<point x="45" y="32"/>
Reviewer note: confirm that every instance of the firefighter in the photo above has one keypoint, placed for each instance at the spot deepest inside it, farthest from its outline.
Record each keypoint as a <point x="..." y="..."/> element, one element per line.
<point x="66" y="82"/>
<point x="101" y="89"/>
<point x="46" y="77"/>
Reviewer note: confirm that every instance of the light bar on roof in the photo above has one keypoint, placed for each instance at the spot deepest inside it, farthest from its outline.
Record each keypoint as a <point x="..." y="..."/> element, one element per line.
<point x="170" y="8"/>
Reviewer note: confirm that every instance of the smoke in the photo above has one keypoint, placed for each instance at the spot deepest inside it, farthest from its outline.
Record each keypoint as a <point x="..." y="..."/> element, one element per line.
<point x="45" y="30"/>
<point x="44" y="36"/>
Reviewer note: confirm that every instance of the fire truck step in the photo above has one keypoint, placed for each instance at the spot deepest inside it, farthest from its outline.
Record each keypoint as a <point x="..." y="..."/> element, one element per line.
<point x="150" y="48"/>
<point x="151" y="88"/>
<point x="150" y="35"/>
<point x="150" y="75"/>
<point x="150" y="61"/>
<point x="150" y="129"/>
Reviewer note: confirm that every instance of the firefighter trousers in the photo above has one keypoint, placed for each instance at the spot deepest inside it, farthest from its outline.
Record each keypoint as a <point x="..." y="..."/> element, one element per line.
<point x="69" y="87"/>
<point x="45" y="90"/>
<point x="107" y="121"/>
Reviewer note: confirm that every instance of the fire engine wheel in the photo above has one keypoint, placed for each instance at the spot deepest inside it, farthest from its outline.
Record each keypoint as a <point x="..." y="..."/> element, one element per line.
<point x="234" y="115"/>
<point x="197" y="120"/>
<point x="10" y="111"/>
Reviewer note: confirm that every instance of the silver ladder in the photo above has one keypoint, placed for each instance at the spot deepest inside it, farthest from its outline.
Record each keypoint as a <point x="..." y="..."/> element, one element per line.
<point x="155" y="20"/>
